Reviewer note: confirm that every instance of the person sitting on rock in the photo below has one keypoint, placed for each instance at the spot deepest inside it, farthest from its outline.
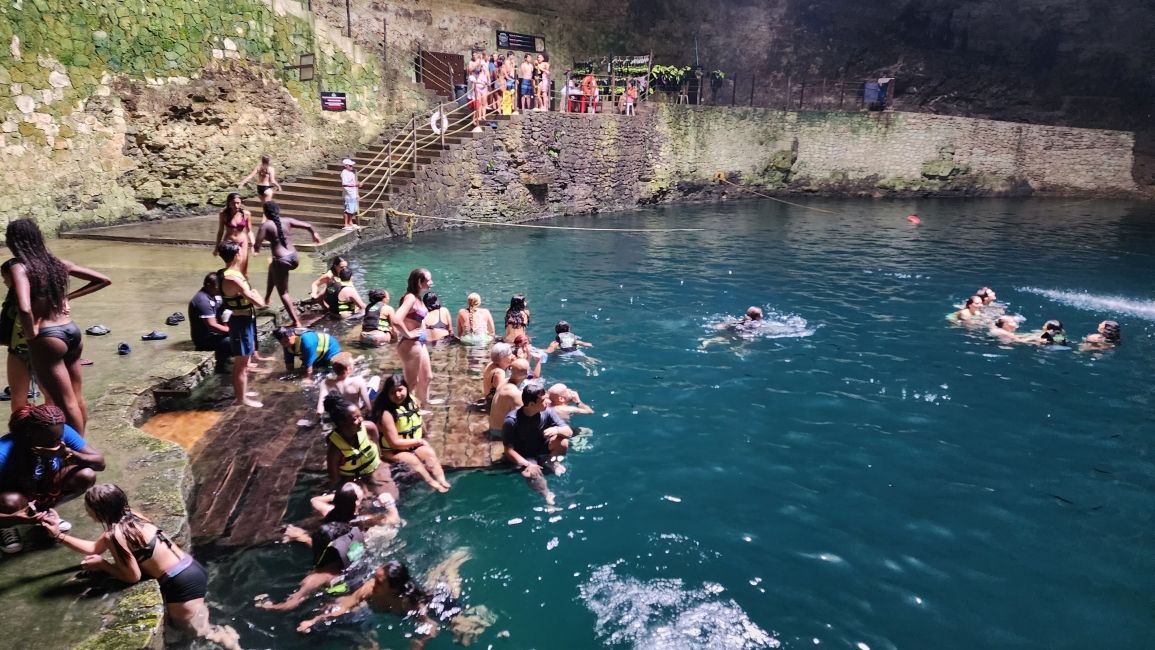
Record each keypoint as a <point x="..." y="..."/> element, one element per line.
<point x="535" y="437"/>
<point x="313" y="348"/>
<point x="43" y="462"/>
<point x="208" y="333"/>
<point x="377" y="324"/>
<point x="352" y="387"/>
<point x="341" y="296"/>
<point x="354" y="451"/>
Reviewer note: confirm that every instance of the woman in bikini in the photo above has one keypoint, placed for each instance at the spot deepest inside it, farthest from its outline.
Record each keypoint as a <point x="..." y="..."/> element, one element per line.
<point x="266" y="179"/>
<point x="543" y="98"/>
<point x="475" y="323"/>
<point x="437" y="320"/>
<point x="409" y="321"/>
<point x="140" y="549"/>
<point x="284" y="254"/>
<point x="235" y="225"/>
<point x="516" y="318"/>
<point x="40" y="283"/>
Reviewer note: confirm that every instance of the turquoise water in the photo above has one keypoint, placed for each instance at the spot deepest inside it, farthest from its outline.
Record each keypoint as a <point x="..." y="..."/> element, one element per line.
<point x="873" y="477"/>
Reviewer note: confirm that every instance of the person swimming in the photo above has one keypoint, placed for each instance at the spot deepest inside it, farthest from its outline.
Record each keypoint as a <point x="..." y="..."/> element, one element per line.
<point x="516" y="318"/>
<point x="970" y="310"/>
<point x="1003" y="329"/>
<point x="1053" y="334"/>
<point x="565" y="341"/>
<point x="1108" y="335"/>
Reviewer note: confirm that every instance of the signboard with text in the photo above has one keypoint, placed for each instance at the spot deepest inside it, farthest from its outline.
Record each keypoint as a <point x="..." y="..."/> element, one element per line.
<point x="333" y="102"/>
<point x="520" y="42"/>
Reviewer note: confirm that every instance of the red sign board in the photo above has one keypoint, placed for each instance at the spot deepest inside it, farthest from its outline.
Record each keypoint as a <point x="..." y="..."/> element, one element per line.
<point x="334" y="102"/>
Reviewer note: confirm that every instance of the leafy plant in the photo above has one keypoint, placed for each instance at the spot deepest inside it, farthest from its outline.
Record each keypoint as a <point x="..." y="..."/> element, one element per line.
<point x="718" y="75"/>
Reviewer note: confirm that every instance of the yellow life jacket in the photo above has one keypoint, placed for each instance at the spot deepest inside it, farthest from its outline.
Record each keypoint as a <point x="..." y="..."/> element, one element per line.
<point x="408" y="419"/>
<point x="356" y="461"/>
<point x="322" y="345"/>
<point x="238" y="302"/>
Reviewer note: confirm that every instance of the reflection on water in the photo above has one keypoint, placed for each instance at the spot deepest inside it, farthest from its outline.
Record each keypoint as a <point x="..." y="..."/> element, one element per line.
<point x="877" y="478"/>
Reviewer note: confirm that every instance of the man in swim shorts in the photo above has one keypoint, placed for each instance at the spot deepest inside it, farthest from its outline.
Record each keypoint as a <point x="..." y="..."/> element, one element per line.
<point x="534" y="438"/>
<point x="507" y="398"/>
<point x="525" y="84"/>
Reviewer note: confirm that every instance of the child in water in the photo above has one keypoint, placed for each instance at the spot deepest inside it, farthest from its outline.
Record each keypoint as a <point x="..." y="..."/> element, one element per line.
<point x="1107" y="336"/>
<point x="565" y="341"/>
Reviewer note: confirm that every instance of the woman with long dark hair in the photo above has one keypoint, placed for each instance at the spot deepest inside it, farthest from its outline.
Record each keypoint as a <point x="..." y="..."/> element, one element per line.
<point x="235" y="224"/>
<point x="437" y="327"/>
<point x="354" y="451"/>
<point x="409" y="320"/>
<point x="516" y="318"/>
<point x="140" y="549"/>
<point x="398" y="418"/>
<point x="40" y="284"/>
<point x="284" y="254"/>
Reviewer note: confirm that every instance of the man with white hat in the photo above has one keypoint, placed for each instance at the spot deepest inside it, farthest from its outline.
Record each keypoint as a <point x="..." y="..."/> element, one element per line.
<point x="352" y="193"/>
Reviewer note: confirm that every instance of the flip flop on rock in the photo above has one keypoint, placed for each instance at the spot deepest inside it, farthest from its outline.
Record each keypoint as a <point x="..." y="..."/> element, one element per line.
<point x="154" y="336"/>
<point x="176" y="319"/>
<point x="97" y="330"/>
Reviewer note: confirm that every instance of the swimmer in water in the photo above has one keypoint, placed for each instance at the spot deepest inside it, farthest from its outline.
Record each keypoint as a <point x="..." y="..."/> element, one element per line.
<point x="989" y="298"/>
<point x="971" y="310"/>
<point x="1003" y="329"/>
<point x="566" y="341"/>
<point x="523" y="350"/>
<point x="749" y="323"/>
<point x="1108" y="335"/>
<point x="336" y="546"/>
<point x="1052" y="334"/>
<point x="566" y="402"/>
<point x="393" y="590"/>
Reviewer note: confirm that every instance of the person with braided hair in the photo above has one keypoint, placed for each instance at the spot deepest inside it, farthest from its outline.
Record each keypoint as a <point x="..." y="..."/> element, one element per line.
<point x="40" y="284"/>
<point x="354" y="450"/>
<point x="43" y="462"/>
<point x="140" y="549"/>
<point x="284" y="254"/>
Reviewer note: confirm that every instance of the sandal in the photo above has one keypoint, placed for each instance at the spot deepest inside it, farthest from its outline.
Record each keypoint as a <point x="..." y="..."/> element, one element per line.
<point x="123" y="348"/>
<point x="97" y="330"/>
<point x="154" y="336"/>
<point x="173" y="320"/>
<point x="86" y="362"/>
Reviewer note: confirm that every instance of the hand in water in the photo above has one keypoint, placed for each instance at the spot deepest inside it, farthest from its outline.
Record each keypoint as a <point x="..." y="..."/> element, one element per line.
<point x="531" y="471"/>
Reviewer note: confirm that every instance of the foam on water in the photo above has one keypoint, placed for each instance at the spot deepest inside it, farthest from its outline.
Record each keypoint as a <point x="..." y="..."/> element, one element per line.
<point x="1144" y="309"/>
<point x="665" y="613"/>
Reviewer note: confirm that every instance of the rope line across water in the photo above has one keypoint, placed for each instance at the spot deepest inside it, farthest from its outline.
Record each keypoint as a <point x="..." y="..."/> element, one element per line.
<point x="721" y="178"/>
<point x="410" y="215"/>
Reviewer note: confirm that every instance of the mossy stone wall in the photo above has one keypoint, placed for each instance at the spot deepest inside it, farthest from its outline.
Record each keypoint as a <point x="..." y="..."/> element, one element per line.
<point x="89" y="87"/>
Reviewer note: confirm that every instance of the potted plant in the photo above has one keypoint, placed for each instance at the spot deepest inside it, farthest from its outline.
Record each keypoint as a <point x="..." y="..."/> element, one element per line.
<point x="716" y="79"/>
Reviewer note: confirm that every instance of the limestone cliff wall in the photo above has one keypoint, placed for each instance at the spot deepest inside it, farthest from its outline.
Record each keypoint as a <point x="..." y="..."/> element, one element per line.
<point x="891" y="151"/>
<point x="110" y="108"/>
<point x="546" y="164"/>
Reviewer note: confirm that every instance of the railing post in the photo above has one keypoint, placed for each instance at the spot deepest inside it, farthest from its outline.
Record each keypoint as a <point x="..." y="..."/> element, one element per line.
<point x="734" y="89"/>
<point x="753" y="79"/>
<point x="441" y="111"/>
<point x="348" y="20"/>
<point x="801" y="94"/>
<point x="841" y="92"/>
<point x="413" y="139"/>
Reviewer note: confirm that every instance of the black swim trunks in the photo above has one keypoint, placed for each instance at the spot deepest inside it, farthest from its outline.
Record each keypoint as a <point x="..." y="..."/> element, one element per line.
<point x="261" y="191"/>
<point x="68" y="332"/>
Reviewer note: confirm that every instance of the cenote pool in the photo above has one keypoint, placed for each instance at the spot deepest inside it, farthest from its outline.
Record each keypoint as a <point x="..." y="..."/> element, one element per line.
<point x="872" y="477"/>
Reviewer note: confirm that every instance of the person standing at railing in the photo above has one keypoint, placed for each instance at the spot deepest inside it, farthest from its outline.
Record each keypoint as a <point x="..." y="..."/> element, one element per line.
<point x="525" y="84"/>
<point x="589" y="93"/>
<point x="630" y="98"/>
<point x="508" y="80"/>
<point x="493" y="98"/>
<point x="351" y="186"/>
<point x="480" y="73"/>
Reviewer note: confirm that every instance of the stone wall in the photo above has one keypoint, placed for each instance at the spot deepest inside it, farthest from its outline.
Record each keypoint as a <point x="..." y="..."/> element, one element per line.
<point x="110" y="108"/>
<point x="868" y="152"/>
<point x="547" y="164"/>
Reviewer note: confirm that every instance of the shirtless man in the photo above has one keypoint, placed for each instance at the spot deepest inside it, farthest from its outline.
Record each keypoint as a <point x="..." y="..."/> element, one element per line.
<point x="500" y="358"/>
<point x="543" y="84"/>
<point x="479" y="71"/>
<point x="507" y="398"/>
<point x="353" y="388"/>
<point x="525" y="84"/>
<point x="566" y="402"/>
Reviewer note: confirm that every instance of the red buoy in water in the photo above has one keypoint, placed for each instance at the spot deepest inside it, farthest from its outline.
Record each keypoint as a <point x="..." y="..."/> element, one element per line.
<point x="913" y="218"/>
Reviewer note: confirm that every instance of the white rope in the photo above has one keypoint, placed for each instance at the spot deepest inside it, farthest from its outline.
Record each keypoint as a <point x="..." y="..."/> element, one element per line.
<point x="530" y="225"/>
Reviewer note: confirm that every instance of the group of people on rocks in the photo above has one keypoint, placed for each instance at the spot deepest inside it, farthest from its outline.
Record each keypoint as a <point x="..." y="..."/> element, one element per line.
<point x="376" y="424"/>
<point x="983" y="311"/>
<point x="45" y="458"/>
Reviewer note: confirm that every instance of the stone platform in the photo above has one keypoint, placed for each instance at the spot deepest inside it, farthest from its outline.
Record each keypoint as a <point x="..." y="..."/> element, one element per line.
<point x="199" y="231"/>
<point x="246" y="465"/>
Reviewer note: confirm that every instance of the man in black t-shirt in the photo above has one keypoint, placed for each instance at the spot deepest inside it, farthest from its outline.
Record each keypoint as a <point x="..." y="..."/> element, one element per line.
<point x="208" y="332"/>
<point x="535" y="437"/>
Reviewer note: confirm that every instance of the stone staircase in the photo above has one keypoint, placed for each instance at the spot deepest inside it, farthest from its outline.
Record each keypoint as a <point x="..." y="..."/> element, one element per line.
<point x="318" y="199"/>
